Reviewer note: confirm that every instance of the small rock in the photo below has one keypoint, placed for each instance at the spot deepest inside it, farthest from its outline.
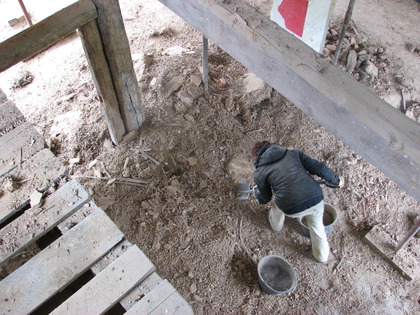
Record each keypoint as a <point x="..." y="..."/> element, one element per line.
<point x="25" y="79"/>
<point x="35" y="198"/>
<point x="332" y="47"/>
<point x="198" y="299"/>
<point x="148" y="59"/>
<point x="192" y="161"/>
<point x="333" y="32"/>
<point x="351" y="61"/>
<point x="75" y="160"/>
<point x="193" y="288"/>
<point x="173" y="85"/>
<point x="363" y="57"/>
<point x="370" y="69"/>
<point x="380" y="50"/>
<point x="196" y="79"/>
<point x="222" y="82"/>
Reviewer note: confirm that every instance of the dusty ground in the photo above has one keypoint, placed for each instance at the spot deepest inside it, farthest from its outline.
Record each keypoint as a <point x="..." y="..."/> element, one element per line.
<point x="186" y="219"/>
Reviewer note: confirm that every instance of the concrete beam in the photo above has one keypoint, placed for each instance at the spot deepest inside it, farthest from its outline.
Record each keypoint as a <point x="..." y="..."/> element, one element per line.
<point x="378" y="132"/>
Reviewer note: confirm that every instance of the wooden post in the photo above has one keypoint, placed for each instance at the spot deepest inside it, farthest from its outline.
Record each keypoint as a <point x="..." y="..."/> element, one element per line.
<point x="117" y="53"/>
<point x="92" y="46"/>
<point x="25" y="13"/>
<point x="347" y="19"/>
<point x="206" y="63"/>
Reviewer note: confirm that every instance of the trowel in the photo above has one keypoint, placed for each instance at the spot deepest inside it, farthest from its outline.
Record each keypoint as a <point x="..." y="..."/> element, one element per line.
<point x="244" y="191"/>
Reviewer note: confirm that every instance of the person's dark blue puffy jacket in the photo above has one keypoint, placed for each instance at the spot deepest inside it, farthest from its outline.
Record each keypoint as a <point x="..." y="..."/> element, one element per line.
<point x="286" y="173"/>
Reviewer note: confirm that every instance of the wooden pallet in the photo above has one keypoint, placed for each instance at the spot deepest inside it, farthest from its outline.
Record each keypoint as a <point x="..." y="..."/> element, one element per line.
<point x="88" y="267"/>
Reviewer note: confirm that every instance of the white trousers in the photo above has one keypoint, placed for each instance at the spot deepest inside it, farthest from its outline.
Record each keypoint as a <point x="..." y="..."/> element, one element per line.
<point x="314" y="218"/>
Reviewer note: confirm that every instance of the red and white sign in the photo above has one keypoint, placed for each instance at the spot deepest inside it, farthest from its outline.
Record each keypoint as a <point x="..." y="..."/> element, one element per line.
<point x="306" y="19"/>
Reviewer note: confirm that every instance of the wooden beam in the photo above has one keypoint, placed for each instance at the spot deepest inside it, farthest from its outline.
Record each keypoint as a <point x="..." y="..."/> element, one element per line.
<point x="94" y="51"/>
<point x="42" y="34"/>
<point x="378" y="132"/>
<point x="118" y="55"/>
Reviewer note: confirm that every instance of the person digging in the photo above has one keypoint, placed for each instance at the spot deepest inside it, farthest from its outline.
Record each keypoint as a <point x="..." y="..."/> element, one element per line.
<point x="286" y="173"/>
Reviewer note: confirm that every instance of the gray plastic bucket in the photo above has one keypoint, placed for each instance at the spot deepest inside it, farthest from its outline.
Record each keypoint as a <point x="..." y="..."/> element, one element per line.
<point x="329" y="219"/>
<point x="276" y="276"/>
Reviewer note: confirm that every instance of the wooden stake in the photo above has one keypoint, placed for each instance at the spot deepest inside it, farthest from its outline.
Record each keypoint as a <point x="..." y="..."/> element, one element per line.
<point x="206" y="63"/>
<point x="347" y="19"/>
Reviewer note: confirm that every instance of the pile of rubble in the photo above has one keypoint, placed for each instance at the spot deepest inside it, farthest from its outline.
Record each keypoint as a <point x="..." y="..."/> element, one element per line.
<point x="371" y="65"/>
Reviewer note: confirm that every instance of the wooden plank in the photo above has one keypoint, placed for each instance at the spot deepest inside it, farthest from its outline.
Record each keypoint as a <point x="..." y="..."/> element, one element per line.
<point x="153" y="299"/>
<point x="9" y="114"/>
<point x="38" y="221"/>
<point x="40" y="35"/>
<point x="403" y="261"/>
<point x="117" y="52"/>
<point x="77" y="217"/>
<point x="378" y="132"/>
<point x="113" y="255"/>
<point x="37" y="173"/>
<point x="94" y="51"/>
<point x="109" y="286"/>
<point x="59" y="264"/>
<point x="174" y="304"/>
<point x="140" y="291"/>
<point x="18" y="145"/>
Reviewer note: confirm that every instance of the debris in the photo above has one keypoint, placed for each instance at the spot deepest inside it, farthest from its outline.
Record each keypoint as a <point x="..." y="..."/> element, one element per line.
<point x="35" y="198"/>
<point x="177" y="51"/>
<point x="193" y="288"/>
<point x="173" y="85"/>
<point x="9" y="184"/>
<point x="192" y="161"/>
<point x="403" y="102"/>
<point x="196" y="79"/>
<point x="75" y="160"/>
<point x="16" y="21"/>
<point x="147" y="156"/>
<point x="126" y="171"/>
<point x="131" y="180"/>
<point x="351" y="60"/>
<point x="24" y="79"/>
<point x="92" y="163"/>
<point x="221" y="82"/>
<point x="370" y="69"/>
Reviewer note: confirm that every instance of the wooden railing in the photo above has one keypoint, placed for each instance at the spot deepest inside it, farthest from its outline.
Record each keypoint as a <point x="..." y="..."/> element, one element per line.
<point x="107" y="49"/>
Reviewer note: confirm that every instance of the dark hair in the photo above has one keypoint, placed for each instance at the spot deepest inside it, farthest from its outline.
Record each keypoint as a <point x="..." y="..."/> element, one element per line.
<point x="258" y="146"/>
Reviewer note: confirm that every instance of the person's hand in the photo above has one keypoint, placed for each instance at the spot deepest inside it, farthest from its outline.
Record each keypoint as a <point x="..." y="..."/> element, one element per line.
<point x="341" y="181"/>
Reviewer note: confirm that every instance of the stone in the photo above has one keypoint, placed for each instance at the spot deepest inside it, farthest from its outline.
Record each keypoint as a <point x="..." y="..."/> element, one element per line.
<point x="332" y="47"/>
<point x="173" y="85"/>
<point x="370" y="69"/>
<point x="351" y="60"/>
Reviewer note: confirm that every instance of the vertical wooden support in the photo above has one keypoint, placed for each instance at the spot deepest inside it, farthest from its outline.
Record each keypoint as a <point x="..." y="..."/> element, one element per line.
<point x="93" y="48"/>
<point x="25" y="13"/>
<point x="117" y="53"/>
<point x="206" y="63"/>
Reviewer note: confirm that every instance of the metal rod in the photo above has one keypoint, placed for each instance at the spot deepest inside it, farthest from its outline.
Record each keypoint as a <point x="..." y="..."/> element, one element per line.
<point x="409" y="235"/>
<point x="205" y="63"/>
<point x="347" y="19"/>
<point x="25" y="13"/>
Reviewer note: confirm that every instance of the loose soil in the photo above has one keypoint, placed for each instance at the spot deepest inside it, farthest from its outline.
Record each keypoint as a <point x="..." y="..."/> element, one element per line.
<point x="195" y="146"/>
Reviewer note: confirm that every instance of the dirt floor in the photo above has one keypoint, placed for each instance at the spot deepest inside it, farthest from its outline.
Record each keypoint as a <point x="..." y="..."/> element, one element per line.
<point x="195" y="146"/>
